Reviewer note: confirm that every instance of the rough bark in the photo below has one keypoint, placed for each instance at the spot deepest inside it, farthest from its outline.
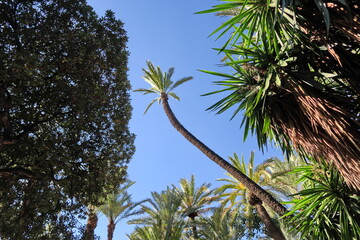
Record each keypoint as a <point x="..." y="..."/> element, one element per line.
<point x="274" y="231"/>
<point x="90" y="226"/>
<point x="248" y="183"/>
<point x="111" y="229"/>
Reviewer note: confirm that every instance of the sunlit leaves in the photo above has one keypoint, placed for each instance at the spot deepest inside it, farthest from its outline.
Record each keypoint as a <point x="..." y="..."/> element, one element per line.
<point x="160" y="83"/>
<point x="326" y="208"/>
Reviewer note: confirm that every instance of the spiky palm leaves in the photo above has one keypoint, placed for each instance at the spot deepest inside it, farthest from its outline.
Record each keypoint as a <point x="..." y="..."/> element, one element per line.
<point x="327" y="209"/>
<point x="296" y="83"/>
<point x="160" y="82"/>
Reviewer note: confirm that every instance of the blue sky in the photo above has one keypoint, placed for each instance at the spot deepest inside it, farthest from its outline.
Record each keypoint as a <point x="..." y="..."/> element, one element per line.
<point x="169" y="34"/>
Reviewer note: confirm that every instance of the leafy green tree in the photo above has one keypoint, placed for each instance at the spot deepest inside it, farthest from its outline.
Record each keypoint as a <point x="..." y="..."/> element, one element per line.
<point x="195" y="200"/>
<point x="162" y="85"/>
<point x="64" y="106"/>
<point x="326" y="208"/>
<point x="296" y="68"/>
<point x="163" y="218"/>
<point x="242" y="198"/>
<point x="119" y="206"/>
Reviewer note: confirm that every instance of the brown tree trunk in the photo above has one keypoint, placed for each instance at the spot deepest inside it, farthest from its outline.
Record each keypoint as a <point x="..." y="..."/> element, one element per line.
<point x="274" y="231"/>
<point x="111" y="229"/>
<point x="90" y="226"/>
<point x="194" y="229"/>
<point x="248" y="183"/>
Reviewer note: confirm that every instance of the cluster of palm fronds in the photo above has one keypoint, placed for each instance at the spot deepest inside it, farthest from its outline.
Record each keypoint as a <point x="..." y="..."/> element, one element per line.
<point x="326" y="208"/>
<point x="296" y="69"/>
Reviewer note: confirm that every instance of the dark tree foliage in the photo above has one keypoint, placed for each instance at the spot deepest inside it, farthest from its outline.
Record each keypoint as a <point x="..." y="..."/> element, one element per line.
<point x="64" y="113"/>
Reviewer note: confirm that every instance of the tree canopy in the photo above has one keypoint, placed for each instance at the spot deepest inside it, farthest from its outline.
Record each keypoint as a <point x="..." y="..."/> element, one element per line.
<point x="64" y="113"/>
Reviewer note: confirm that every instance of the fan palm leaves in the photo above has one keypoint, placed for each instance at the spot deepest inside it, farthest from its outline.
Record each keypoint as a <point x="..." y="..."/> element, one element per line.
<point x="161" y="84"/>
<point x="295" y="80"/>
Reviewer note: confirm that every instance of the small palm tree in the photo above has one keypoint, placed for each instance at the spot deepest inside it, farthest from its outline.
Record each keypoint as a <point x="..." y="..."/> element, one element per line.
<point x="194" y="201"/>
<point x="162" y="85"/>
<point x="162" y="219"/>
<point x="118" y="206"/>
<point x="223" y="224"/>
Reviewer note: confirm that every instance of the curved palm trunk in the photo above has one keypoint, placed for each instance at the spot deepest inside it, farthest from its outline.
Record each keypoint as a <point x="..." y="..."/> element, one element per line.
<point x="90" y="226"/>
<point x="274" y="231"/>
<point x="111" y="229"/>
<point x="248" y="183"/>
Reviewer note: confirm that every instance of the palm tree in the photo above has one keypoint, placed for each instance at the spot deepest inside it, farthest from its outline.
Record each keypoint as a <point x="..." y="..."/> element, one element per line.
<point x="118" y="206"/>
<point x="194" y="201"/>
<point x="294" y="79"/>
<point x="241" y="196"/>
<point x="162" y="85"/>
<point x="223" y="224"/>
<point x="163" y="219"/>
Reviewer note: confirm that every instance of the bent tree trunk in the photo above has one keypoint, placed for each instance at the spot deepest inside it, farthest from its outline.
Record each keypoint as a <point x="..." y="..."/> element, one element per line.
<point x="274" y="231"/>
<point x="248" y="183"/>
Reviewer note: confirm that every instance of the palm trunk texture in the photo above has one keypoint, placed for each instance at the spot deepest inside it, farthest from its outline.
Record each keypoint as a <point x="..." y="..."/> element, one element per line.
<point x="248" y="183"/>
<point x="111" y="229"/>
<point x="90" y="226"/>
<point x="274" y="231"/>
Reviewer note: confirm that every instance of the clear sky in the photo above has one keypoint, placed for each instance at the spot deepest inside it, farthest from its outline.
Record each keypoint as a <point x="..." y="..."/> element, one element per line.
<point x="168" y="33"/>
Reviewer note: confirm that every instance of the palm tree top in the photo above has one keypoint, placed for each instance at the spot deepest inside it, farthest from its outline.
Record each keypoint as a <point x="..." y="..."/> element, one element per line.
<point x="160" y="83"/>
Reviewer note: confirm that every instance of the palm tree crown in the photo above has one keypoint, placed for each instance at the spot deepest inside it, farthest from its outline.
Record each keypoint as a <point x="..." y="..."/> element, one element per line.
<point x="160" y="83"/>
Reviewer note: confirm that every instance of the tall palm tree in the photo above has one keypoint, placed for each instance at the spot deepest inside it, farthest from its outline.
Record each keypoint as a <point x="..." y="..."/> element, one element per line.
<point x="194" y="200"/>
<point x="162" y="85"/>
<point x="119" y="206"/>
<point x="241" y="196"/>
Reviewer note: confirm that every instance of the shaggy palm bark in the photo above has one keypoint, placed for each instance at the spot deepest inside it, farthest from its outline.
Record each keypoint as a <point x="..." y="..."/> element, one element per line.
<point x="330" y="118"/>
<point x="274" y="231"/>
<point x="317" y="125"/>
<point x="90" y="226"/>
<point x="111" y="229"/>
<point x="248" y="183"/>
